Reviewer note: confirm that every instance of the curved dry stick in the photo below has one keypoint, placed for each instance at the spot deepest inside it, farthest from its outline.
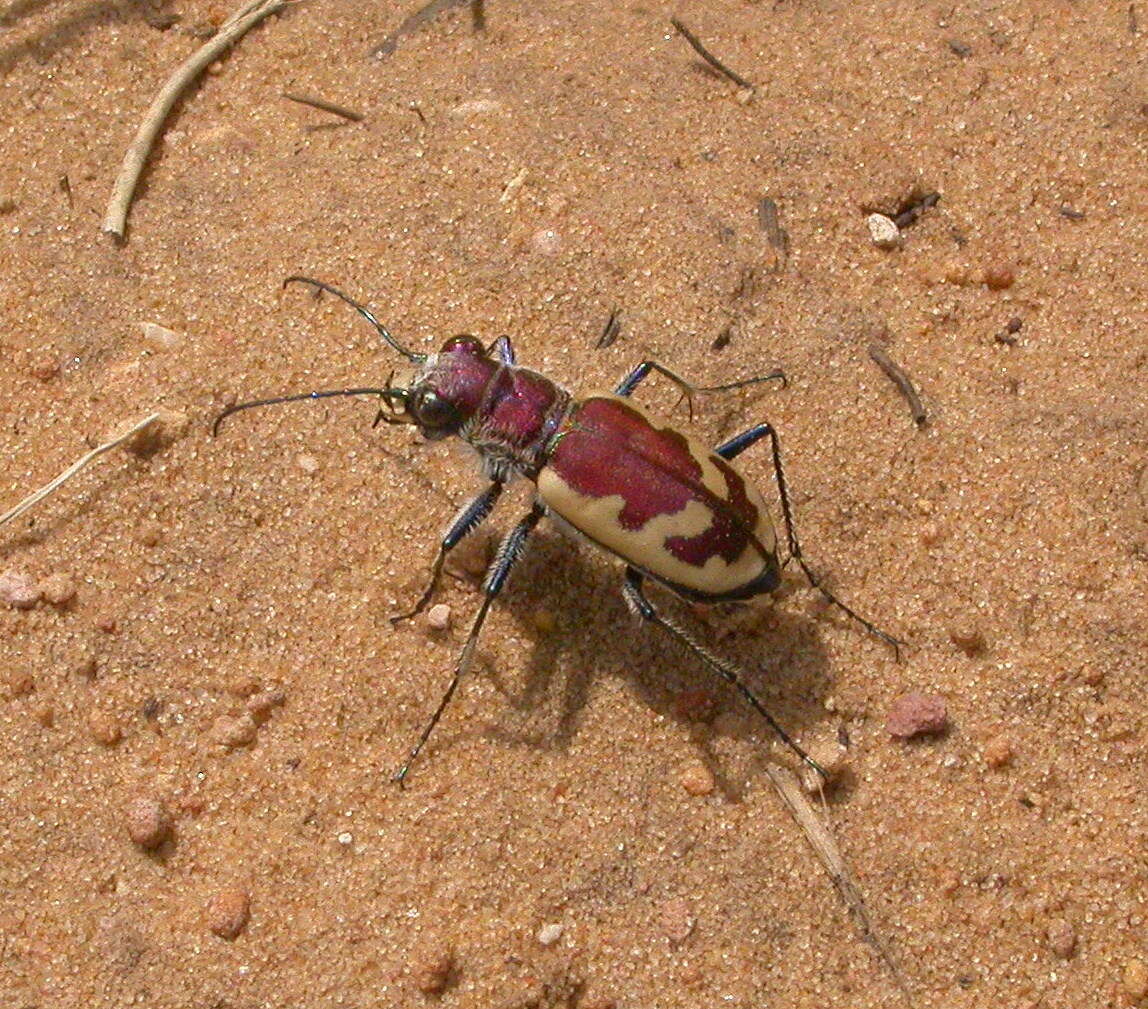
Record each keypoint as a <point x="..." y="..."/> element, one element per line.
<point x="232" y="30"/>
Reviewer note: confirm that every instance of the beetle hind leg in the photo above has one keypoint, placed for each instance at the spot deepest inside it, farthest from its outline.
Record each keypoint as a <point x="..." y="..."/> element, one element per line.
<point x="638" y="602"/>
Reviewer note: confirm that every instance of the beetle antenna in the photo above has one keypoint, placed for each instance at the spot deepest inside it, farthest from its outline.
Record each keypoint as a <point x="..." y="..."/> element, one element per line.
<point x="386" y="394"/>
<point x="365" y="312"/>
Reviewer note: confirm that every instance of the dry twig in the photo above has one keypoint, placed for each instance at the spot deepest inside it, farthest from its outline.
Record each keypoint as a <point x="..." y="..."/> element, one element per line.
<point x="709" y="57"/>
<point x="231" y="31"/>
<point x="79" y="464"/>
<point x="823" y="845"/>
<point x="323" y="105"/>
<point x="901" y="380"/>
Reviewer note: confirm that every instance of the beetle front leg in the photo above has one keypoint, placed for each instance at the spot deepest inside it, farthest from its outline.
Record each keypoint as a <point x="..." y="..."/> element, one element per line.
<point x="508" y="553"/>
<point x="638" y="602"/>
<point x="467" y="520"/>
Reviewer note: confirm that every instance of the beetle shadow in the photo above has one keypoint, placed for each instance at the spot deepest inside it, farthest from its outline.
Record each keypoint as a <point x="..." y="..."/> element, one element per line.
<point x="661" y="671"/>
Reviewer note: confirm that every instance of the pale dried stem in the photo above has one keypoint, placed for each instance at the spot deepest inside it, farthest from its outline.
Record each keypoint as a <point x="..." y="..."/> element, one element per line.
<point x="75" y="468"/>
<point x="137" y="154"/>
<point x="825" y="847"/>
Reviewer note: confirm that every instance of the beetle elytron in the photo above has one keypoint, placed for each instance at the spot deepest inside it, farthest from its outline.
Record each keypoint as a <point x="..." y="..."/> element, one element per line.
<point x="669" y="508"/>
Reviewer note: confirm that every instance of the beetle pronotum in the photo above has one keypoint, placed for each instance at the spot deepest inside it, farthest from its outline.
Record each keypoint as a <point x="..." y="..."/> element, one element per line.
<point x="668" y="507"/>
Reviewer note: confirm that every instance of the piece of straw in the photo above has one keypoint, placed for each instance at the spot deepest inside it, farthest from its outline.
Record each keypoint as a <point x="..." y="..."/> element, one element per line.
<point x="78" y="465"/>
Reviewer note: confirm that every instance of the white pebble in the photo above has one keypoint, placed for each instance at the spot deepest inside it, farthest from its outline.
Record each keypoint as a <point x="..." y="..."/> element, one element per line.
<point x="883" y="231"/>
<point x="307" y="463"/>
<point x="161" y="337"/>
<point x="548" y="935"/>
<point x="438" y="617"/>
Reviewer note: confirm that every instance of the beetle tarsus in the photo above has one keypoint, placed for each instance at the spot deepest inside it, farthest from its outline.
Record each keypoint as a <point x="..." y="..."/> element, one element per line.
<point x="469" y="518"/>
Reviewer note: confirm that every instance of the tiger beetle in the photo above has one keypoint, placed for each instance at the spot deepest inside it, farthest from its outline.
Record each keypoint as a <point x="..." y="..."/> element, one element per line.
<point x="669" y="508"/>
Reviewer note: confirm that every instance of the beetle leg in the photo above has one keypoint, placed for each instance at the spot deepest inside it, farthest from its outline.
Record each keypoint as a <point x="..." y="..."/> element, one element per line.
<point x="743" y="441"/>
<point x="637" y="601"/>
<point x="503" y="349"/>
<point x="467" y="520"/>
<point x="642" y="371"/>
<point x="739" y="443"/>
<point x="508" y="553"/>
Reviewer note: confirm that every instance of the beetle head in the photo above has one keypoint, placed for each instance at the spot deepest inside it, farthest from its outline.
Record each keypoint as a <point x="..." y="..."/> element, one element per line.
<point x="446" y="391"/>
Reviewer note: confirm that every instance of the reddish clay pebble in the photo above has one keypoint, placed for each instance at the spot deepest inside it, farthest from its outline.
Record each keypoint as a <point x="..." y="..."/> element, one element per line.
<point x="696" y="704"/>
<point x="1000" y="277"/>
<point x="104" y="727"/>
<point x="1061" y="938"/>
<point x="677" y="919"/>
<point x="149" y="822"/>
<point x="438" y="617"/>
<point x="433" y="970"/>
<point x="16" y="683"/>
<point x="58" y="589"/>
<point x="998" y="751"/>
<point x="969" y="638"/>
<point x="18" y="590"/>
<point x="260" y="705"/>
<point x="234" y="732"/>
<point x="697" y="779"/>
<point x="229" y="912"/>
<point x="916" y="714"/>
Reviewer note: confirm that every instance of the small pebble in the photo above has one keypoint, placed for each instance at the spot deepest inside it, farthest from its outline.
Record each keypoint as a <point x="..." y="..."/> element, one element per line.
<point x="438" y="617"/>
<point x="546" y="242"/>
<point x="228" y="912"/>
<point x="696" y="704"/>
<point x="45" y="368"/>
<point x="16" y="683"/>
<point x="149" y="822"/>
<point x="307" y="463"/>
<point x="433" y="969"/>
<point x="999" y="277"/>
<point x="696" y="778"/>
<point x="1061" y="938"/>
<point x="1136" y="980"/>
<point x="233" y="732"/>
<point x="999" y="751"/>
<point x="676" y="919"/>
<point x="969" y="638"/>
<point x="104" y="727"/>
<point x="160" y="337"/>
<point x="45" y="714"/>
<point x="548" y="935"/>
<point x="260" y="705"/>
<point x="916" y="714"/>
<point x="883" y="231"/>
<point x="58" y="589"/>
<point x="18" y="590"/>
<point x="543" y="620"/>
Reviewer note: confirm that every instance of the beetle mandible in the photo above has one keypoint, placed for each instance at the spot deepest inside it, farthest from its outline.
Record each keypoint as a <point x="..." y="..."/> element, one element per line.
<point x="669" y="508"/>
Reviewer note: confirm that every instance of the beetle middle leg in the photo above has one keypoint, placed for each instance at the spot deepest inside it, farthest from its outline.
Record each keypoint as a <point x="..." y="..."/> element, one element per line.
<point x="508" y="553"/>
<point x="465" y="522"/>
<point x="737" y="445"/>
<point x="642" y="371"/>
<point x="638" y="602"/>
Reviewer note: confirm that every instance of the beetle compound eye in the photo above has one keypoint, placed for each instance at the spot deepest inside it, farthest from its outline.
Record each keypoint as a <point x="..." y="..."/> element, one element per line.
<point x="431" y="410"/>
<point x="467" y="344"/>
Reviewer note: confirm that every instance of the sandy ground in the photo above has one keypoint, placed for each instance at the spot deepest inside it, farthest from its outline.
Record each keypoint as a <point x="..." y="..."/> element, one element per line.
<point x="581" y="833"/>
